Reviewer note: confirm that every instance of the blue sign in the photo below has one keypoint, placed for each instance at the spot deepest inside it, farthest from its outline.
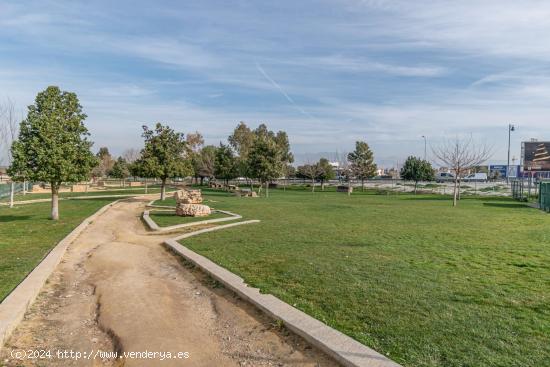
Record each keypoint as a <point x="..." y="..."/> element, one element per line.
<point x="512" y="171"/>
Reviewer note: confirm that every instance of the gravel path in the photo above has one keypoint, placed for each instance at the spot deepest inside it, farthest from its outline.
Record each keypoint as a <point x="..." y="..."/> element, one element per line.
<point x="118" y="290"/>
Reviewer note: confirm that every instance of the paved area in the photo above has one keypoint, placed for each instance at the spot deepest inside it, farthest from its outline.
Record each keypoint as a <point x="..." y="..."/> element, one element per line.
<point x="118" y="290"/>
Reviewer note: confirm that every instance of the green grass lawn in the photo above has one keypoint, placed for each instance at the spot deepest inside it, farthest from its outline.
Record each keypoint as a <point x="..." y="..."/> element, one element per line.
<point x="166" y="219"/>
<point x="27" y="235"/>
<point x="410" y="276"/>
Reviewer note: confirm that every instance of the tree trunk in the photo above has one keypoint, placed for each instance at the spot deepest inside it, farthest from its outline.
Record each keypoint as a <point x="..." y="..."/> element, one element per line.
<point x="362" y="184"/>
<point x="415" y="186"/>
<point x="322" y="185"/>
<point x="312" y="185"/>
<point x="55" y="202"/>
<point x="202" y="180"/>
<point x="12" y="191"/>
<point x="24" y="187"/>
<point x="146" y="185"/>
<point x="454" y="191"/>
<point x="459" y="184"/>
<point x="267" y="189"/>
<point x="163" y="190"/>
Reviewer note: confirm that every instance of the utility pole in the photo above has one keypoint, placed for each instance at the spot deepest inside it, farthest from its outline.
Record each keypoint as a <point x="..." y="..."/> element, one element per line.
<point x="510" y="129"/>
<point x="424" y="137"/>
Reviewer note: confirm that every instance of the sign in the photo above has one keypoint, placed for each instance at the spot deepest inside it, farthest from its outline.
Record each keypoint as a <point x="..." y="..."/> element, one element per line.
<point x="535" y="156"/>
<point x="512" y="170"/>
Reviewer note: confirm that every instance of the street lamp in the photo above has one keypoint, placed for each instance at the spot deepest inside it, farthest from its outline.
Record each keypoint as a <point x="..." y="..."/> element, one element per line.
<point x="424" y="137"/>
<point x="511" y="128"/>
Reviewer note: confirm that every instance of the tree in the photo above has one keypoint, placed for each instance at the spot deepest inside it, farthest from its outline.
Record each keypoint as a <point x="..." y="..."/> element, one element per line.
<point x="204" y="165"/>
<point x="244" y="139"/>
<point x="362" y="164"/>
<point x="241" y="141"/>
<point x="326" y="172"/>
<point x="120" y="169"/>
<point x="266" y="160"/>
<point x="165" y="155"/>
<point x="460" y="155"/>
<point x="225" y="165"/>
<point x="53" y="144"/>
<point x="309" y="171"/>
<point x="195" y="141"/>
<point x="131" y="155"/>
<point x="416" y="169"/>
<point x="105" y="163"/>
<point x="8" y="134"/>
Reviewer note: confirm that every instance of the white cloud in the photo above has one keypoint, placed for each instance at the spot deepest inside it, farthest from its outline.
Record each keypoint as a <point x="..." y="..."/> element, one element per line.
<point x="357" y="65"/>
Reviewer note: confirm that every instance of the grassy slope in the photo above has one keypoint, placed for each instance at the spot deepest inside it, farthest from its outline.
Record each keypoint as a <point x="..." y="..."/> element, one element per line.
<point x="27" y="235"/>
<point x="412" y="277"/>
<point x="166" y="219"/>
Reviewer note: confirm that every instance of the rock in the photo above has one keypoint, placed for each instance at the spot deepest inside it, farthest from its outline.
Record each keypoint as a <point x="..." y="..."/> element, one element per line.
<point x="188" y="196"/>
<point x="189" y="204"/>
<point x="192" y="210"/>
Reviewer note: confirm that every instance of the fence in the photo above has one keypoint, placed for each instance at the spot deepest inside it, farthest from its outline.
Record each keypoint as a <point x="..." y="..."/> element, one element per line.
<point x="544" y="195"/>
<point x="5" y="189"/>
<point x="517" y="190"/>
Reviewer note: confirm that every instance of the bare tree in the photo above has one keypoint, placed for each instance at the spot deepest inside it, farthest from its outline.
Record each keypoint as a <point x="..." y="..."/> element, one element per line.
<point x="9" y="128"/>
<point x="460" y="155"/>
<point x="311" y="171"/>
<point x="131" y="155"/>
<point x="344" y="170"/>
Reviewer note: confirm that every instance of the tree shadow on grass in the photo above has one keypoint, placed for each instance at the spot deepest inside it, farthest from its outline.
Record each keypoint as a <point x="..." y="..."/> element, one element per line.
<point x="13" y="218"/>
<point x="463" y="198"/>
<point x="508" y="205"/>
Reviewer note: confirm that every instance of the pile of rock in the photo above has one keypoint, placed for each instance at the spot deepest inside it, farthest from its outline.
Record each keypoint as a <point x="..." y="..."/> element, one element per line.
<point x="188" y="204"/>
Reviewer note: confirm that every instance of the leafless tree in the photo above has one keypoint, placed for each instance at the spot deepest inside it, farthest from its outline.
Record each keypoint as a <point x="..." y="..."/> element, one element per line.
<point x="9" y="128"/>
<point x="310" y="170"/>
<point x="131" y="155"/>
<point x="344" y="168"/>
<point x="460" y="155"/>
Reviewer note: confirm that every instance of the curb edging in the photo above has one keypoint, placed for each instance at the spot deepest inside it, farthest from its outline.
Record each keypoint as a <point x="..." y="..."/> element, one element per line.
<point x="340" y="347"/>
<point x="16" y="304"/>
<point x="155" y="227"/>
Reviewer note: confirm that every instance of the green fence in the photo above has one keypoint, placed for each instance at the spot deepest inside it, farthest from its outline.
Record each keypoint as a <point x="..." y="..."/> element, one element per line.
<point x="544" y="195"/>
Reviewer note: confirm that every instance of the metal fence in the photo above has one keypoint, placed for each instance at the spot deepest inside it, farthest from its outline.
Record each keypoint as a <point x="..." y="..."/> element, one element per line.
<point x="5" y="189"/>
<point x="517" y="190"/>
<point x="544" y="195"/>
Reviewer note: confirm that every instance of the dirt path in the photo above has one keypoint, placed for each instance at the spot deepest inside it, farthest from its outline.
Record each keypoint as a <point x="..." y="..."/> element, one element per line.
<point x="117" y="289"/>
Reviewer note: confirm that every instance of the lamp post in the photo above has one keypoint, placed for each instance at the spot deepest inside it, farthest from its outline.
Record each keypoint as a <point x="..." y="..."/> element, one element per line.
<point x="511" y="128"/>
<point x="424" y="137"/>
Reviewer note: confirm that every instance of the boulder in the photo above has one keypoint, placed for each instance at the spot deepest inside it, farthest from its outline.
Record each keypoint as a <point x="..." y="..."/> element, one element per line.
<point x="192" y="210"/>
<point x="188" y="196"/>
<point x="189" y="204"/>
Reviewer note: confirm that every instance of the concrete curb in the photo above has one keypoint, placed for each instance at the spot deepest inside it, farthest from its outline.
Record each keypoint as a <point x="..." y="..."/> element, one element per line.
<point x="14" y="306"/>
<point x="155" y="227"/>
<point x="152" y="205"/>
<point x="342" y="348"/>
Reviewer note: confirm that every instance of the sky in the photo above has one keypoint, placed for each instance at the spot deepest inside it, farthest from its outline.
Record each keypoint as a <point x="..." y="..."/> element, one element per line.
<point x="327" y="72"/>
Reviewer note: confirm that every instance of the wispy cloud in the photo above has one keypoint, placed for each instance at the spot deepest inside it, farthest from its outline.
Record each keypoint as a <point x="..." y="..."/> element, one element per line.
<point x="383" y="71"/>
<point x="282" y="91"/>
<point x="357" y="65"/>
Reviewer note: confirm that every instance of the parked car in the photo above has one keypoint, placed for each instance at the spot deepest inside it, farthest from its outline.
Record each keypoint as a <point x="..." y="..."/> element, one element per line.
<point x="444" y="177"/>
<point x="476" y="177"/>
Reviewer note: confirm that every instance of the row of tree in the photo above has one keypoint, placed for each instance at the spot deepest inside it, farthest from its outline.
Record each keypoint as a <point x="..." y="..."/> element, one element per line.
<point x="53" y="146"/>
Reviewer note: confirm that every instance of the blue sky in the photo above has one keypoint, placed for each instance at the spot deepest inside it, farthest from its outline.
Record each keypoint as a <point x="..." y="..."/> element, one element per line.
<point x="327" y="72"/>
